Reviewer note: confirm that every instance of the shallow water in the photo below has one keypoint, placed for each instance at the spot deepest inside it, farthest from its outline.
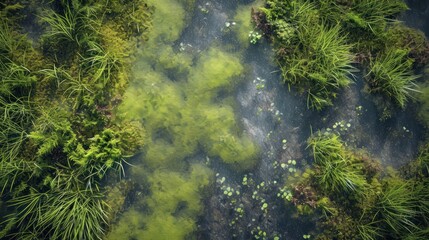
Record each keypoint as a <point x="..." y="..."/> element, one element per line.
<point x="222" y="130"/>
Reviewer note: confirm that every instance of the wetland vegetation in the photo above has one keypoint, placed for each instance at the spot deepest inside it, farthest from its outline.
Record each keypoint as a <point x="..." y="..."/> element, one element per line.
<point x="126" y="120"/>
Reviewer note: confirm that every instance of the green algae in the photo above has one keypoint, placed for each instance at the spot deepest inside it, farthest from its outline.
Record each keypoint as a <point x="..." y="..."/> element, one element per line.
<point x="184" y="114"/>
<point x="214" y="70"/>
<point x="175" y="201"/>
<point x="182" y="100"/>
<point x="243" y="19"/>
<point x="167" y="24"/>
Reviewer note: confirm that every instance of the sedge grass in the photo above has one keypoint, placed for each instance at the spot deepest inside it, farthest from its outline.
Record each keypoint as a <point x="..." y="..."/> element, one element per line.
<point x="100" y="63"/>
<point x="421" y="234"/>
<point x="9" y="42"/>
<point x="326" y="147"/>
<point x="12" y="137"/>
<point x="73" y="88"/>
<point x="75" y="24"/>
<point x="391" y="75"/>
<point x="75" y="215"/>
<point x="312" y="54"/>
<point x="321" y="63"/>
<point x="421" y="189"/>
<point x="63" y="27"/>
<point x="374" y="14"/>
<point x="423" y="161"/>
<point x="335" y="171"/>
<point x="340" y="176"/>
<point x="369" y="231"/>
<point x="16" y="80"/>
<point x="397" y="207"/>
<point x="12" y="169"/>
<point x="369" y="15"/>
<point x="67" y="214"/>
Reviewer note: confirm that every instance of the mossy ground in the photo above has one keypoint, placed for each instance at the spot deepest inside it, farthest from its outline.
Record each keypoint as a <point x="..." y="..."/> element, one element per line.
<point x="61" y="139"/>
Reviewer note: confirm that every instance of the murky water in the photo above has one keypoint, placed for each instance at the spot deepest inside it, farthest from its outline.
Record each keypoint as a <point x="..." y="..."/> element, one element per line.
<point x="418" y="15"/>
<point x="223" y="133"/>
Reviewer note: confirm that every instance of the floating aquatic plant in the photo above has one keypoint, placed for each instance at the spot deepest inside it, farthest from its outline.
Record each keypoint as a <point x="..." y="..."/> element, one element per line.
<point x="254" y="37"/>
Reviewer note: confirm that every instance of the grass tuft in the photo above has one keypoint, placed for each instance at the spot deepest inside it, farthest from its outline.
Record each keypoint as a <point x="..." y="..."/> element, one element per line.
<point x="68" y="214"/>
<point x="397" y="205"/>
<point x="390" y="74"/>
<point x="336" y="172"/>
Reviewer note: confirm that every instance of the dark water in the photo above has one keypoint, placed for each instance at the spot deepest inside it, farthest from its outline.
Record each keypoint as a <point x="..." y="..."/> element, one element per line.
<point x="418" y="15"/>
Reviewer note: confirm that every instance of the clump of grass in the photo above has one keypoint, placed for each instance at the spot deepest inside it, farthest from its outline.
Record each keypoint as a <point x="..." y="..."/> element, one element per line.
<point x="340" y="176"/>
<point x="368" y="231"/>
<point x="326" y="147"/>
<point x="73" y="88"/>
<point x="397" y="206"/>
<point x="69" y="29"/>
<point x="423" y="161"/>
<point x="336" y="172"/>
<point x="391" y="75"/>
<point x="421" y="234"/>
<point x="16" y="79"/>
<point x="13" y="170"/>
<point x="312" y="55"/>
<point x="321" y="64"/>
<point x="421" y="188"/>
<point x="100" y="63"/>
<point x="62" y="26"/>
<point x="12" y="137"/>
<point x="78" y="214"/>
<point x="9" y="42"/>
<point x="73" y="24"/>
<point x="374" y="15"/>
<point x="15" y="107"/>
